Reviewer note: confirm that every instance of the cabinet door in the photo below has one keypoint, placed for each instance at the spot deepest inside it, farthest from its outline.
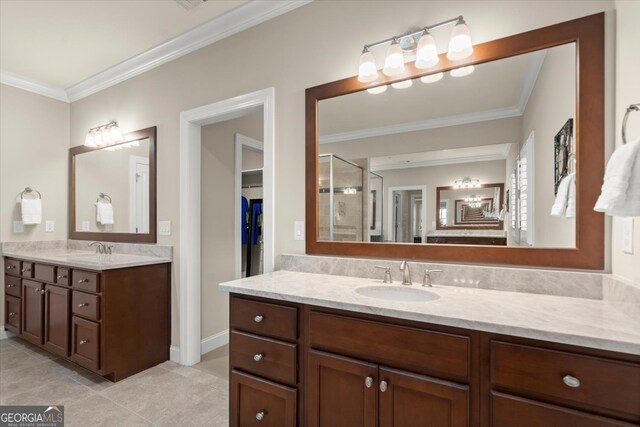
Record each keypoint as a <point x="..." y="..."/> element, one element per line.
<point x="341" y="392"/>
<point x="56" y="320"/>
<point x="256" y="402"/>
<point x="32" y="305"/>
<point x="412" y="400"/>
<point x="12" y="309"/>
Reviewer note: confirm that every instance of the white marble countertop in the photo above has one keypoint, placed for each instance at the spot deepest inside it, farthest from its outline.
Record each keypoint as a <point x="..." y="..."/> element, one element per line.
<point x="576" y="321"/>
<point x="84" y="259"/>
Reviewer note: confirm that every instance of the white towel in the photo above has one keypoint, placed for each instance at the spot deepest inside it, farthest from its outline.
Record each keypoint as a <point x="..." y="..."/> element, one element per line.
<point x="561" y="203"/>
<point x="620" y="195"/>
<point x="104" y="213"/>
<point x="31" y="211"/>
<point x="571" y="199"/>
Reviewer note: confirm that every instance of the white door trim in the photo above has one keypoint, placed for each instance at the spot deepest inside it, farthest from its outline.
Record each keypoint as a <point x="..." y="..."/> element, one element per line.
<point x="133" y="160"/>
<point x="191" y="122"/>
<point x="241" y="141"/>
<point x="422" y="188"/>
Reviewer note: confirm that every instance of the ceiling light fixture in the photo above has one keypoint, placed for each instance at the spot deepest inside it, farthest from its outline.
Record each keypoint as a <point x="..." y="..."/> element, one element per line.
<point x="104" y="135"/>
<point x="426" y="53"/>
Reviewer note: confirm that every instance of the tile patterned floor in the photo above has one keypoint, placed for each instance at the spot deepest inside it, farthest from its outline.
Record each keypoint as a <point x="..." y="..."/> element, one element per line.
<point x="165" y="395"/>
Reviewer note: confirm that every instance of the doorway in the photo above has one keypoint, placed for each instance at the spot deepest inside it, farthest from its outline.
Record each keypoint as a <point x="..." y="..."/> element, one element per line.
<point x="138" y="194"/>
<point x="408" y="212"/>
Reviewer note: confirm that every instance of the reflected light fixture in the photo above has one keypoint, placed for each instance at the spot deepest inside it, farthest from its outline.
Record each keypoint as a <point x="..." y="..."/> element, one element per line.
<point x="104" y="135"/>
<point x="432" y="78"/>
<point x="462" y="71"/>
<point x="403" y="84"/>
<point x="377" y="90"/>
<point x="466" y="183"/>
<point x="426" y="52"/>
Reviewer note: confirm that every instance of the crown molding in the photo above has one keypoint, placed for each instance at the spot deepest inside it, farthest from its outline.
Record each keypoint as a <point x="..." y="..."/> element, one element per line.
<point x="439" y="162"/>
<point x="30" y="85"/>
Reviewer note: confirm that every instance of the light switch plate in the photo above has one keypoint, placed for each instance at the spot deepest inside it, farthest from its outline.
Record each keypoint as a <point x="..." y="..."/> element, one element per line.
<point x="298" y="230"/>
<point x="627" y="235"/>
<point x="18" y="227"/>
<point x="86" y="226"/>
<point x="50" y="226"/>
<point x="164" y="228"/>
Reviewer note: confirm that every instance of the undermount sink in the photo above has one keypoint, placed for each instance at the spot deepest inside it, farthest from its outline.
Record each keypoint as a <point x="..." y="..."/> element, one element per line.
<point x="396" y="293"/>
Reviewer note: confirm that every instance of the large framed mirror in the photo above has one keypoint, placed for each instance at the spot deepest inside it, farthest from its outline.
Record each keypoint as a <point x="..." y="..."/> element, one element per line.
<point x="112" y="190"/>
<point x="464" y="168"/>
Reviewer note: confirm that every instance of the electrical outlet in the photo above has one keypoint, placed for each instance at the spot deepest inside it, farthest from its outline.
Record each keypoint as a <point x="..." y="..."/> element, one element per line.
<point x="627" y="235"/>
<point x="164" y="228"/>
<point x="86" y="226"/>
<point x="50" y="226"/>
<point x="298" y="230"/>
<point x="18" y="227"/>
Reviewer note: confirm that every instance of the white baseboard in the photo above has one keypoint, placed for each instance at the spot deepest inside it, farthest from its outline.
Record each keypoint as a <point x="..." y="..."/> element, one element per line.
<point x="206" y="345"/>
<point x="214" y="341"/>
<point x="4" y="334"/>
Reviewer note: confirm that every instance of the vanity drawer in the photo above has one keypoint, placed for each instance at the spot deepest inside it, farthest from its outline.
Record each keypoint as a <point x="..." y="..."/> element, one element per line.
<point x="86" y="305"/>
<point x="85" y="343"/>
<point x="86" y="280"/>
<point x="268" y="358"/>
<point x="12" y="267"/>
<point x="27" y="269"/>
<point x="418" y="350"/>
<point x="46" y="273"/>
<point x="12" y="314"/>
<point x="552" y="374"/>
<point x="62" y="276"/>
<point x="272" y="320"/>
<point x="12" y="286"/>
<point x="257" y="403"/>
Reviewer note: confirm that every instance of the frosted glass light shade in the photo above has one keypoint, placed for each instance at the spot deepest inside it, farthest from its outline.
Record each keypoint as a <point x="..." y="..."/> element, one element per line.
<point x="394" y="61"/>
<point x="432" y="78"/>
<point x="115" y="133"/>
<point x="89" y="141"/>
<point x="402" y="85"/>
<point x="460" y="42"/>
<point x="97" y="138"/>
<point x="462" y="71"/>
<point x="427" y="52"/>
<point x="377" y="90"/>
<point x="106" y="136"/>
<point x="367" y="71"/>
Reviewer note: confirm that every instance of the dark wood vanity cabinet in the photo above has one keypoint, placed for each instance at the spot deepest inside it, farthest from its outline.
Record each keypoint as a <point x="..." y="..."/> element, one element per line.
<point x="363" y="370"/>
<point x="113" y="322"/>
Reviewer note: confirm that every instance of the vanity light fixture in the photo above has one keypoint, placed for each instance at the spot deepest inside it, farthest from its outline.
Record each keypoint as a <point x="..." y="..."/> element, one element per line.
<point x="432" y="78"/>
<point x="466" y="183"/>
<point x="462" y="71"/>
<point x="377" y="90"/>
<point x="104" y="135"/>
<point x="426" y="53"/>
<point x="403" y="84"/>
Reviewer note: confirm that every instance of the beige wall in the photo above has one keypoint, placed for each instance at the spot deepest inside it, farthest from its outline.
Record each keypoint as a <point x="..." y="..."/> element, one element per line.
<point x="273" y="54"/>
<point x="552" y="102"/>
<point x="627" y="92"/>
<point x="217" y="244"/>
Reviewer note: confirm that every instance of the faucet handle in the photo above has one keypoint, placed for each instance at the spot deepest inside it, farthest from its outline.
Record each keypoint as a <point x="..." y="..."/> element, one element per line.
<point x="426" y="280"/>
<point x="387" y="273"/>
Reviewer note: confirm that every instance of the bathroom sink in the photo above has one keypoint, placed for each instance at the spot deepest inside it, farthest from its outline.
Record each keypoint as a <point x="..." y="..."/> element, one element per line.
<point x="396" y="293"/>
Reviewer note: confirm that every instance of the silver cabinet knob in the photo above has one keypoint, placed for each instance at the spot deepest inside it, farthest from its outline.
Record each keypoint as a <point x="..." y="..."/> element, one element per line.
<point x="258" y="357"/>
<point x="571" y="381"/>
<point x="62" y="277"/>
<point x="84" y="304"/>
<point x="10" y="286"/>
<point x="83" y="342"/>
<point x="260" y="416"/>
<point x="12" y="314"/>
<point x="83" y="281"/>
<point x="383" y="386"/>
<point x="258" y="318"/>
<point x="10" y="267"/>
<point x="368" y="382"/>
<point x="36" y="290"/>
<point x="25" y="270"/>
<point x="42" y="291"/>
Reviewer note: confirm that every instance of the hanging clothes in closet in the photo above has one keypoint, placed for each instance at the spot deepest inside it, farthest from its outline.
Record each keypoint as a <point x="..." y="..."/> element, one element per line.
<point x="254" y="260"/>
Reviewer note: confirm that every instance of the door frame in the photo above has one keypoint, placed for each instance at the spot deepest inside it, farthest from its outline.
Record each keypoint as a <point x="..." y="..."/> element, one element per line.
<point x="422" y="188"/>
<point x="133" y="161"/>
<point x="189" y="274"/>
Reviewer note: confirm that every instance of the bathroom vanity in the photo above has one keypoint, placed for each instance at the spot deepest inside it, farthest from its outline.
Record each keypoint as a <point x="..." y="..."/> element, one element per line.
<point x="107" y="313"/>
<point x="318" y="350"/>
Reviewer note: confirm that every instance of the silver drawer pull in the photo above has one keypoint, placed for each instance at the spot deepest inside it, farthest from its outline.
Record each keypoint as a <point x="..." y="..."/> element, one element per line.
<point x="571" y="381"/>
<point x="83" y="341"/>
<point x="83" y="281"/>
<point x="383" y="386"/>
<point x="10" y="267"/>
<point x="12" y="314"/>
<point x="42" y="292"/>
<point x="10" y="286"/>
<point x="25" y="270"/>
<point x="258" y="318"/>
<point x="36" y="290"/>
<point x="84" y="304"/>
<point x="62" y="277"/>
<point x="368" y="382"/>
<point x="258" y="357"/>
<point x="260" y="415"/>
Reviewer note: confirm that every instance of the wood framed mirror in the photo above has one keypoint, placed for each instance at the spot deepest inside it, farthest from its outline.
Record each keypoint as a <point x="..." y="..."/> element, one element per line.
<point x="121" y="177"/>
<point x="339" y="125"/>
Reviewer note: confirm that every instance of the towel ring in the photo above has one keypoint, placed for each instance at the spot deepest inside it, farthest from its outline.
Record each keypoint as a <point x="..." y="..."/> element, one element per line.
<point x="630" y="108"/>
<point x="29" y="190"/>
<point x="103" y="196"/>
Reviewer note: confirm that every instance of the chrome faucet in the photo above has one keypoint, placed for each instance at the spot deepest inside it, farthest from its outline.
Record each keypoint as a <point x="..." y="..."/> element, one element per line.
<point x="406" y="273"/>
<point x="426" y="281"/>
<point x="101" y="248"/>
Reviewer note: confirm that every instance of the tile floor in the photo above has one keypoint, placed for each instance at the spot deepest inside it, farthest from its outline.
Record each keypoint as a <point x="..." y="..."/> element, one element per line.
<point x="165" y="395"/>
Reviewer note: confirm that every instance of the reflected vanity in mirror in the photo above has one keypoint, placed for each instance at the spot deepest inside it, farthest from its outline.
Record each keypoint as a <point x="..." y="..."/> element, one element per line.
<point x="465" y="168"/>
<point x="113" y="190"/>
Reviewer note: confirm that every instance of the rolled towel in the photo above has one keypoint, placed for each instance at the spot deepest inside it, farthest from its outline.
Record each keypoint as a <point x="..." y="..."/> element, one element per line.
<point x="559" y="207"/>
<point x="571" y="199"/>
<point x="620" y="195"/>
<point x="104" y="213"/>
<point x="31" y="211"/>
